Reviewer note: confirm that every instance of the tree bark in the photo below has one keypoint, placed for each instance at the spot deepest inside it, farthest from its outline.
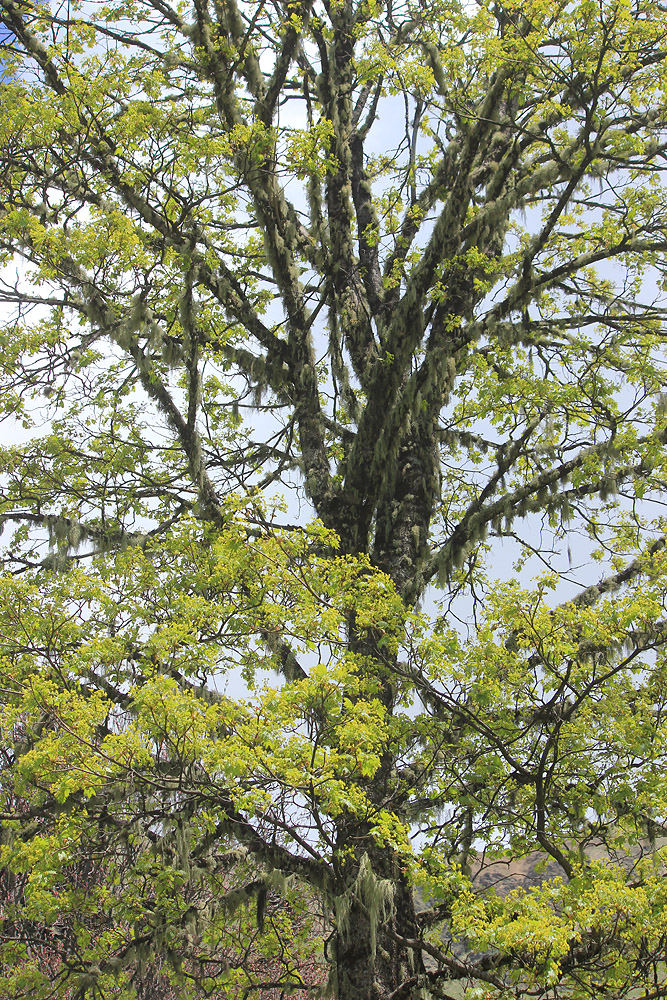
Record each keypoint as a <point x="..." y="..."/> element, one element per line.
<point x="371" y="962"/>
<point x="375" y="912"/>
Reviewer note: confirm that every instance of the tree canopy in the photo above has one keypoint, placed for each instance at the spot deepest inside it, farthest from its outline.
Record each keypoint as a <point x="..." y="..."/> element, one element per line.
<point x="402" y="265"/>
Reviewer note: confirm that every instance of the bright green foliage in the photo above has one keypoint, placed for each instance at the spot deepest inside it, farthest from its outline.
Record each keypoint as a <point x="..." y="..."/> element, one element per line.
<point x="402" y="263"/>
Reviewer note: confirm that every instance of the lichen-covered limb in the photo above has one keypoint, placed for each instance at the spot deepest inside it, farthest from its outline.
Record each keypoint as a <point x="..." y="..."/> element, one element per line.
<point x="348" y="292"/>
<point x="527" y="497"/>
<point x="277" y="221"/>
<point x="610" y="584"/>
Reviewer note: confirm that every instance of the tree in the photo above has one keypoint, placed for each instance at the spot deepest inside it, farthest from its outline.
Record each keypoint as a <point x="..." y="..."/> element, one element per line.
<point x="219" y="286"/>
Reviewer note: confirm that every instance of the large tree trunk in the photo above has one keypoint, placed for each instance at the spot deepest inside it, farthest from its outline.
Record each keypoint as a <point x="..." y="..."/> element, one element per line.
<point x="371" y="961"/>
<point x="375" y="912"/>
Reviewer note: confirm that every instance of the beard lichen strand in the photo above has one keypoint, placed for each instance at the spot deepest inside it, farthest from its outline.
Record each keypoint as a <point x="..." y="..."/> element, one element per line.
<point x="373" y="913"/>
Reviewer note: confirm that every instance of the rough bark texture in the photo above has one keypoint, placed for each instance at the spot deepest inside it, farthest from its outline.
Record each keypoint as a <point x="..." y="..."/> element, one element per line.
<point x="239" y="288"/>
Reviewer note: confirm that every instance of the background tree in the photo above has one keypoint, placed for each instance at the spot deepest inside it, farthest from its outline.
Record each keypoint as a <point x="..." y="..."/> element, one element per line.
<point x="406" y="264"/>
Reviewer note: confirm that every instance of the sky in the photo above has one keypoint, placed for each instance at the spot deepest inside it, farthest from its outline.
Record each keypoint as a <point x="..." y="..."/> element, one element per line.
<point x="5" y="35"/>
